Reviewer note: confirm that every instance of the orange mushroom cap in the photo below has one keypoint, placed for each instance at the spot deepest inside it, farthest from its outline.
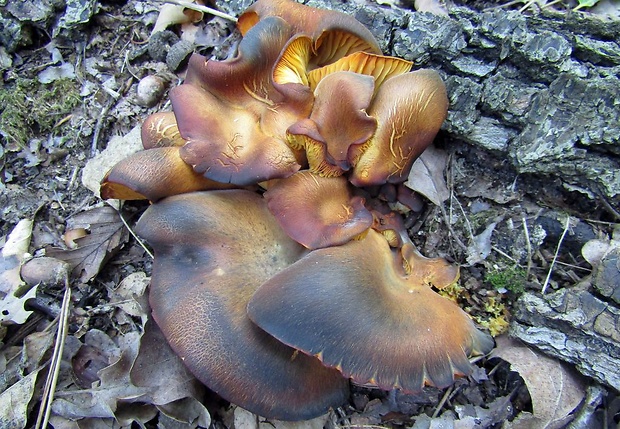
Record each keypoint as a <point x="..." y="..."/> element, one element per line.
<point x="203" y="277"/>
<point x="338" y="125"/>
<point x="355" y="308"/>
<point x="409" y="109"/>
<point x="161" y="130"/>
<point x="153" y="174"/>
<point x="318" y="211"/>
<point x="233" y="118"/>
<point x="335" y="34"/>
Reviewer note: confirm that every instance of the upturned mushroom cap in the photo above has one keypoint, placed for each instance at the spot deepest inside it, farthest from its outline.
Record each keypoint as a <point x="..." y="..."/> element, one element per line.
<point x="318" y="211"/>
<point x="233" y="118"/>
<point x="212" y="251"/>
<point x="338" y="125"/>
<point x="154" y="174"/>
<point x="161" y="130"/>
<point x="355" y="308"/>
<point x="410" y="109"/>
<point x="335" y="34"/>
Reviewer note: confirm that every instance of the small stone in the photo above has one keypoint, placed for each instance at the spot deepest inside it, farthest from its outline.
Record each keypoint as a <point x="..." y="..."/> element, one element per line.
<point x="150" y="90"/>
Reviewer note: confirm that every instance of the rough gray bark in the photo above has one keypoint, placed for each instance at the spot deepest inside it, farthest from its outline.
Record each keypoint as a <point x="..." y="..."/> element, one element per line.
<point x="576" y="326"/>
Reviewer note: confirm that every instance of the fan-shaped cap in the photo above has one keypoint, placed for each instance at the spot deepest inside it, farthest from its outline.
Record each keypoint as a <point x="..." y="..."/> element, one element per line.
<point x="161" y="130"/>
<point x="338" y="125"/>
<point x="153" y="174"/>
<point x="318" y="211"/>
<point x="203" y="277"/>
<point x="409" y="109"/>
<point x="232" y="117"/>
<point x="335" y="34"/>
<point x="354" y="307"/>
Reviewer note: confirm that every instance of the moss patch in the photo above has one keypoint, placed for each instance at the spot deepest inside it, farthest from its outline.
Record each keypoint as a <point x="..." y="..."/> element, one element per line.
<point x="30" y="108"/>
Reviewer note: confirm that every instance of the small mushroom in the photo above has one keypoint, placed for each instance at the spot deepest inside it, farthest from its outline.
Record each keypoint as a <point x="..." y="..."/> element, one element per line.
<point x="409" y="109"/>
<point x="212" y="251"/>
<point x="318" y="211"/>
<point x="339" y="126"/>
<point x="153" y="174"/>
<point x="358" y="310"/>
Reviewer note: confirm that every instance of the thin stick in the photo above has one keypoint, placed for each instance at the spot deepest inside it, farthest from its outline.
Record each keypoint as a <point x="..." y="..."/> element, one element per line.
<point x="529" y="248"/>
<point x="201" y="8"/>
<point x="557" y="251"/>
<point x="443" y="400"/>
<point x="52" y="377"/>
<point x="134" y="235"/>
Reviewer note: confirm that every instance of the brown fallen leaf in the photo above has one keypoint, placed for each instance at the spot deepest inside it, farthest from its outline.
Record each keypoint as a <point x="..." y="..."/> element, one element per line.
<point x="426" y="175"/>
<point x="106" y="235"/>
<point x="556" y="391"/>
<point x="148" y="374"/>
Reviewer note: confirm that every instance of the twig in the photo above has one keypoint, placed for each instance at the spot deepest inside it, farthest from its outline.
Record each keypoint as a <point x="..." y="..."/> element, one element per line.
<point x="529" y="248"/>
<point x="52" y="376"/>
<point x="555" y="257"/>
<point x="201" y="8"/>
<point x="441" y="403"/>
<point x="134" y="235"/>
<point x="99" y="125"/>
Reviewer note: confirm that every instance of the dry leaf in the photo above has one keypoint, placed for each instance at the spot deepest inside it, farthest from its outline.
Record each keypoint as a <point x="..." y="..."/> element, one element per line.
<point x="171" y="14"/>
<point x="158" y="369"/>
<point x="595" y="250"/>
<point x="12" y="307"/>
<point x="13" y="251"/>
<point x="555" y="390"/>
<point x="436" y="7"/>
<point x="128" y="293"/>
<point x="106" y="235"/>
<point x="480" y="248"/>
<point x="14" y="402"/>
<point x="147" y="374"/>
<point x="426" y="175"/>
<point x="117" y="149"/>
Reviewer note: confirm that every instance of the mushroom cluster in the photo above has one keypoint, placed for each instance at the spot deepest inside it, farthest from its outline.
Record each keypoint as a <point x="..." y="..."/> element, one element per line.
<point x="278" y="274"/>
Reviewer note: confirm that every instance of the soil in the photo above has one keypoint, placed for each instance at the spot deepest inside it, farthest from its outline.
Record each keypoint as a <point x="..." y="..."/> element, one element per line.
<point x="50" y="131"/>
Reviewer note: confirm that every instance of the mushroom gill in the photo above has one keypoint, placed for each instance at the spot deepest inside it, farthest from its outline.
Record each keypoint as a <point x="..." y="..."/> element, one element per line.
<point x="334" y="34"/>
<point x="212" y="251"/>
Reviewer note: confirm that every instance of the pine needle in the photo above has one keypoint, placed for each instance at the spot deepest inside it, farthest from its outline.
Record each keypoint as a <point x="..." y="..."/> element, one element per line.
<point x="52" y="376"/>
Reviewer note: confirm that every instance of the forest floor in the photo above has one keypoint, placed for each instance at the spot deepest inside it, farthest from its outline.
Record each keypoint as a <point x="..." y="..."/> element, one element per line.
<point x="70" y="86"/>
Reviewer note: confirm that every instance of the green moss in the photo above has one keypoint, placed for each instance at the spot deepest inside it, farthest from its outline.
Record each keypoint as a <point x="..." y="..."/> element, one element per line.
<point x="509" y="278"/>
<point x="30" y="108"/>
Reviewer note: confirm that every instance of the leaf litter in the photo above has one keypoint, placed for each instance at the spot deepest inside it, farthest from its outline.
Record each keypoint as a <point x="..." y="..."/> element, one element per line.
<point x="106" y="233"/>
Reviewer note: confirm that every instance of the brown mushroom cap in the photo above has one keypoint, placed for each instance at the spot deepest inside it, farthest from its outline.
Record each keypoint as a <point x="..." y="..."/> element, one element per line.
<point x="318" y="211"/>
<point x="153" y="174"/>
<point x="212" y="251"/>
<point x="338" y="125"/>
<point x="161" y="130"/>
<point x="354" y="307"/>
<point x="233" y="118"/>
<point x="335" y="34"/>
<point x="409" y="109"/>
